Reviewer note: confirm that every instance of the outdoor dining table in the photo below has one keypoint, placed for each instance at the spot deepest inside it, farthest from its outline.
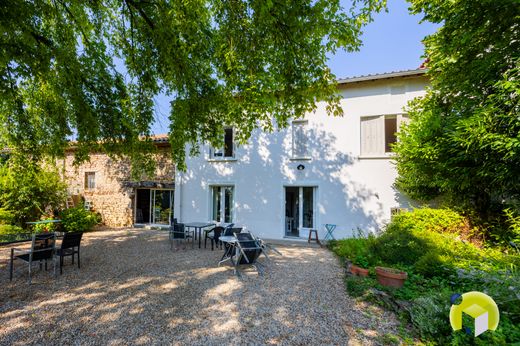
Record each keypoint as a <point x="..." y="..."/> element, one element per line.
<point x="198" y="226"/>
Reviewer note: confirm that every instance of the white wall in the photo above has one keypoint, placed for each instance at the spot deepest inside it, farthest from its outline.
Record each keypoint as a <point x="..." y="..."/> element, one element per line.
<point x="352" y="191"/>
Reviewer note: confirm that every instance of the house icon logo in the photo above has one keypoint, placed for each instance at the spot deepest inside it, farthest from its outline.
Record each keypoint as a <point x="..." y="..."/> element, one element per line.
<point x="479" y="306"/>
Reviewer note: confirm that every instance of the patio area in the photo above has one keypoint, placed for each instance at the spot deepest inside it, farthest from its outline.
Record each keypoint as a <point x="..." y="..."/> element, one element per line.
<point x="131" y="289"/>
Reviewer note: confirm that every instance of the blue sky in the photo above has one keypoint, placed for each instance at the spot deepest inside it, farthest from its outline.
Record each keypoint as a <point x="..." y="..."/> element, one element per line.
<point x="392" y="42"/>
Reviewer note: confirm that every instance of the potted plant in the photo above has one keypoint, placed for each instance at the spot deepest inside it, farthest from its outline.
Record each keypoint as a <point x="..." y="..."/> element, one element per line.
<point x="391" y="277"/>
<point x="358" y="266"/>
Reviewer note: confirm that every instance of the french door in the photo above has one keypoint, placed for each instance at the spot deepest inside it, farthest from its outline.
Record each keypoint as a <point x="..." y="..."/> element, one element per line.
<point x="299" y="210"/>
<point x="222" y="203"/>
<point x="153" y="206"/>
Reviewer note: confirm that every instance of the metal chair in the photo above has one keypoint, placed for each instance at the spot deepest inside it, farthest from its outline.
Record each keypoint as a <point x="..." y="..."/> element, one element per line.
<point x="43" y="248"/>
<point x="230" y="231"/>
<point x="249" y="250"/>
<point x="70" y="246"/>
<point x="213" y="235"/>
<point x="330" y="229"/>
<point x="178" y="232"/>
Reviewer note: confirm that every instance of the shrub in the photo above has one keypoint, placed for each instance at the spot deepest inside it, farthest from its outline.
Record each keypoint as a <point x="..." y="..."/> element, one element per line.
<point x="429" y="315"/>
<point x="431" y="248"/>
<point x="78" y="219"/>
<point x="354" y="249"/>
<point x="398" y="245"/>
<point x="357" y="286"/>
<point x="429" y="219"/>
<point x="6" y="217"/>
<point x="45" y="227"/>
<point x="439" y="263"/>
<point x="513" y="223"/>
<point x="27" y="190"/>
<point x="10" y="229"/>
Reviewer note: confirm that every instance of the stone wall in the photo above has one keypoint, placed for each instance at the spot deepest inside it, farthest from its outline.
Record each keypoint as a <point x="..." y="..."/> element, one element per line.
<point x="110" y="197"/>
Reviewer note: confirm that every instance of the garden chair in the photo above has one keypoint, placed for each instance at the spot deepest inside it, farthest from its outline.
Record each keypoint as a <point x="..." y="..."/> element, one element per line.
<point x="230" y="231"/>
<point x="70" y="246"/>
<point x="213" y="235"/>
<point x="249" y="250"/>
<point x="43" y="248"/>
<point x="178" y="233"/>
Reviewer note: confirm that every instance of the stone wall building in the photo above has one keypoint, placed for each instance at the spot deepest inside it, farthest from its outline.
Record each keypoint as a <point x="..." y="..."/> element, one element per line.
<point x="106" y="186"/>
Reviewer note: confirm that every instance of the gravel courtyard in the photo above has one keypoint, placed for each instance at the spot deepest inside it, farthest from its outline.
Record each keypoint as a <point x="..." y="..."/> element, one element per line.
<point x="131" y="289"/>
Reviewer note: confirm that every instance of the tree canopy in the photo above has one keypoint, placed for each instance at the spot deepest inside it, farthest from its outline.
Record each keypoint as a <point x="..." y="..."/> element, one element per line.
<point x="89" y="70"/>
<point x="463" y="142"/>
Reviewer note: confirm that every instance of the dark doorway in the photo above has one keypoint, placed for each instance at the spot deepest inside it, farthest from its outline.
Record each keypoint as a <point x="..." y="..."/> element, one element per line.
<point x="142" y="206"/>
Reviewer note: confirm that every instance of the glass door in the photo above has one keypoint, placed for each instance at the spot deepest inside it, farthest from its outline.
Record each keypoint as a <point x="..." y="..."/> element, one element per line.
<point x="153" y="206"/>
<point x="162" y="206"/>
<point x="222" y="203"/>
<point x="299" y="210"/>
<point x="292" y="212"/>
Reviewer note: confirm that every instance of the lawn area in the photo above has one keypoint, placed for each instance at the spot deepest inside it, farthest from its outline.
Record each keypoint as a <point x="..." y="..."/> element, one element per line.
<point x="131" y="289"/>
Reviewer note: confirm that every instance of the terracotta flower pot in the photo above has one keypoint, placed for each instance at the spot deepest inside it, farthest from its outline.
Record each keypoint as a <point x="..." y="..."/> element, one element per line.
<point x="390" y="277"/>
<point x="354" y="269"/>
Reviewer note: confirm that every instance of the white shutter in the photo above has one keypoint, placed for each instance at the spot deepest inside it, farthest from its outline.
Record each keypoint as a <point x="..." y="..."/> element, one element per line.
<point x="299" y="140"/>
<point x="372" y="136"/>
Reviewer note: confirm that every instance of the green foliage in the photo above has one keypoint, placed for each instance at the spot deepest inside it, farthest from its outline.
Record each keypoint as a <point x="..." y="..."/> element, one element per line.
<point x="357" y="286"/>
<point x="429" y="240"/>
<point x="462" y="143"/>
<point x="45" y="227"/>
<point x="435" y="220"/>
<point x="430" y="315"/>
<point x="513" y="226"/>
<point x="78" y="219"/>
<point x="237" y="63"/>
<point x="9" y="229"/>
<point x="354" y="249"/>
<point x="27" y="190"/>
<point x="426" y="243"/>
<point x="6" y="217"/>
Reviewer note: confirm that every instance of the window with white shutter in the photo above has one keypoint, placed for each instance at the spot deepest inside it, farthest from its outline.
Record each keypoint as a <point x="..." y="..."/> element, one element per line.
<point x="372" y="141"/>
<point x="300" y="148"/>
<point x="379" y="133"/>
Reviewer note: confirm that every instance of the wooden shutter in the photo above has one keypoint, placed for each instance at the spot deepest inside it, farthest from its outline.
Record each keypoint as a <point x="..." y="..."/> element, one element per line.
<point x="300" y="149"/>
<point x="372" y="136"/>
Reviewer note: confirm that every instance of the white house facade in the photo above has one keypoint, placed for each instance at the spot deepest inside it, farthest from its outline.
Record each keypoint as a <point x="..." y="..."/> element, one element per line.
<point x="320" y="170"/>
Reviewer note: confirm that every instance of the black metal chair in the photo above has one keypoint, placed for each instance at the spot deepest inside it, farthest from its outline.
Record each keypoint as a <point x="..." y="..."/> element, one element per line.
<point x="43" y="248"/>
<point x="178" y="232"/>
<point x="249" y="250"/>
<point x="70" y="246"/>
<point x="230" y="231"/>
<point x="213" y="235"/>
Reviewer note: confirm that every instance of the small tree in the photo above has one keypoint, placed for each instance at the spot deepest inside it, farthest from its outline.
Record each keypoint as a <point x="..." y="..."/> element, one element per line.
<point x="27" y="189"/>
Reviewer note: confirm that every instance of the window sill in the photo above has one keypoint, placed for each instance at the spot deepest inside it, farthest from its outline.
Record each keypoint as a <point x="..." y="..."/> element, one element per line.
<point x="376" y="157"/>
<point x="300" y="159"/>
<point x="225" y="159"/>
